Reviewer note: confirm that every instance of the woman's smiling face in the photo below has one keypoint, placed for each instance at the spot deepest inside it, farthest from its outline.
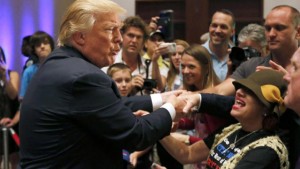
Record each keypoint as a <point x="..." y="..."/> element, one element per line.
<point x="247" y="106"/>
<point x="191" y="70"/>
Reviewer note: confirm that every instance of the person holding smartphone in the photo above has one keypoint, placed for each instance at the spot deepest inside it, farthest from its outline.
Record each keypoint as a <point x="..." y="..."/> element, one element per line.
<point x="9" y="88"/>
<point x="156" y="47"/>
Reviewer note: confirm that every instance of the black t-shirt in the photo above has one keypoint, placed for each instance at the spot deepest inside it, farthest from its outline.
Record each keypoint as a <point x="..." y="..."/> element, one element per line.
<point x="8" y="108"/>
<point x="261" y="157"/>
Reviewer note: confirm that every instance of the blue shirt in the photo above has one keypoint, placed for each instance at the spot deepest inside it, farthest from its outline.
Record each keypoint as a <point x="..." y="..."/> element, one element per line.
<point x="26" y="78"/>
<point x="220" y="67"/>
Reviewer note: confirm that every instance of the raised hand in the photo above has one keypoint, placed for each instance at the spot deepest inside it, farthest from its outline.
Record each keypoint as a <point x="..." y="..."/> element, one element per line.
<point x="274" y="66"/>
<point x="192" y="101"/>
<point x="165" y="48"/>
<point x="137" y="81"/>
<point x="153" y="23"/>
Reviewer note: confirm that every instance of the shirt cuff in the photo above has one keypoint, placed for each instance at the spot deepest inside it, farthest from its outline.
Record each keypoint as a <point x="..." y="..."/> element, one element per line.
<point x="156" y="101"/>
<point x="170" y="109"/>
<point x="199" y="102"/>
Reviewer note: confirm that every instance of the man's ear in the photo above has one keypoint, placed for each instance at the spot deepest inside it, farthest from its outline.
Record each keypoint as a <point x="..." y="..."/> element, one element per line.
<point x="298" y="33"/>
<point x="79" y="38"/>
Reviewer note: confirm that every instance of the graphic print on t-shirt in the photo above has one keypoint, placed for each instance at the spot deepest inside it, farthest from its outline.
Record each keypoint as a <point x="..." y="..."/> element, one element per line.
<point x="221" y="153"/>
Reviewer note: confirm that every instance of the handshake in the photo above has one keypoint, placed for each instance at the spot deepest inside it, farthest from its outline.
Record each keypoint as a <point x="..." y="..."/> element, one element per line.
<point x="183" y="102"/>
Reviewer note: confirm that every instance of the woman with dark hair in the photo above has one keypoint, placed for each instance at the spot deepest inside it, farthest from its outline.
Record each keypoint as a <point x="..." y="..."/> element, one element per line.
<point x="251" y="143"/>
<point x="9" y="88"/>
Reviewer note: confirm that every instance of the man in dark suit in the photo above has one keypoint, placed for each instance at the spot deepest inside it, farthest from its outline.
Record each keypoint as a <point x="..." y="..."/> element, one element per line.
<point x="72" y="114"/>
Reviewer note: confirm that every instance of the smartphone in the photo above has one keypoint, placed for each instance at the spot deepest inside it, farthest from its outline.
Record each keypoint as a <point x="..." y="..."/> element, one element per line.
<point x="171" y="47"/>
<point x="165" y="24"/>
<point x="163" y="21"/>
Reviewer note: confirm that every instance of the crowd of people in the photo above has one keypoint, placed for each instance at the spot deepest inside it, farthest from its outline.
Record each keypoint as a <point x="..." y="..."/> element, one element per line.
<point x="115" y="94"/>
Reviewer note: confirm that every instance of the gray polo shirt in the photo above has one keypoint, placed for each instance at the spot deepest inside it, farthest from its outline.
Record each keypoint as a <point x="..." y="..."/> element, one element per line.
<point x="248" y="67"/>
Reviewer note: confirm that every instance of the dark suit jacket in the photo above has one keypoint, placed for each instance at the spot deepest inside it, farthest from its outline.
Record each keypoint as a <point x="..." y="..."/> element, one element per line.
<point x="72" y="116"/>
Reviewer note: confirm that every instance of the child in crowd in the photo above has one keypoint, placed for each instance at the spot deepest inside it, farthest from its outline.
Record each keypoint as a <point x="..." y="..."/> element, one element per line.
<point x="121" y="74"/>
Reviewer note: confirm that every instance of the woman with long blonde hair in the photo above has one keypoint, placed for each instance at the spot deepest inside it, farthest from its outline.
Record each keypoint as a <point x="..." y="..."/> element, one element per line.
<point x="174" y="78"/>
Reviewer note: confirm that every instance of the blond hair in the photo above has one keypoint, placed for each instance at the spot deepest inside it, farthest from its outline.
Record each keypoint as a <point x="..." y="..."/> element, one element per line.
<point x="173" y="72"/>
<point x="80" y="17"/>
<point x="117" y="67"/>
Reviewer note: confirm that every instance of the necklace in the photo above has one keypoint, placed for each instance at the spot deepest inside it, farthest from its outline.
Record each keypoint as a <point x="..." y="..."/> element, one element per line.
<point x="232" y="145"/>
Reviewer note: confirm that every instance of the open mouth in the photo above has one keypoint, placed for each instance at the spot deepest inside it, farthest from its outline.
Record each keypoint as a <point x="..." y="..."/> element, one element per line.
<point x="238" y="104"/>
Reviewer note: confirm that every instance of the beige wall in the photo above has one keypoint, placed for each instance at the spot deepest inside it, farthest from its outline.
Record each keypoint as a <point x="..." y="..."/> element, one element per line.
<point x="62" y="5"/>
<point x="129" y="5"/>
<point x="269" y="4"/>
